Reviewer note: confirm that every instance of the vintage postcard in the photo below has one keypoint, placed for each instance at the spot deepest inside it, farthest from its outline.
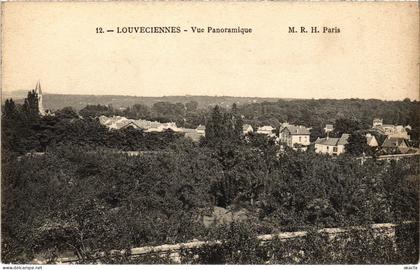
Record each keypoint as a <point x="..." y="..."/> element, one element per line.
<point x="240" y="133"/>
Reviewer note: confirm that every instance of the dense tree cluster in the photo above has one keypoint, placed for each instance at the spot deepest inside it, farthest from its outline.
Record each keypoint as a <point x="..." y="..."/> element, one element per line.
<point x="23" y="131"/>
<point x="311" y="112"/>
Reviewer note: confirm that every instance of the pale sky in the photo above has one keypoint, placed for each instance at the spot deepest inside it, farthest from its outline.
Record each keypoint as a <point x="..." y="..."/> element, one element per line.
<point x="375" y="55"/>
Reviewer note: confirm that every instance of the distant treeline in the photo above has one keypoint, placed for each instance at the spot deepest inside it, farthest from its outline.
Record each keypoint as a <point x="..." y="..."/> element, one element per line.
<point x="317" y="113"/>
<point x="78" y="102"/>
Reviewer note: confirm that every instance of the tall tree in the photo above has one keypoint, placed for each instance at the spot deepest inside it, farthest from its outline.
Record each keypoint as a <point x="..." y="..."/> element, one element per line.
<point x="30" y="104"/>
<point x="9" y="108"/>
<point x="357" y="144"/>
<point x="237" y="122"/>
<point x="346" y="125"/>
<point x="224" y="127"/>
<point x="213" y="125"/>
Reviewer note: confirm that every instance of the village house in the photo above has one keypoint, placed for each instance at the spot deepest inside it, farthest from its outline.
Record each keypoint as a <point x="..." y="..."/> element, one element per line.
<point x="192" y="134"/>
<point x="282" y="126"/>
<point x="377" y="122"/>
<point x="165" y="126"/>
<point x="201" y="129"/>
<point x="294" y="136"/>
<point x="119" y="122"/>
<point x="391" y="131"/>
<point x="395" y="145"/>
<point x="371" y="140"/>
<point x="267" y="130"/>
<point x="328" y="128"/>
<point x="246" y="129"/>
<point x="331" y="146"/>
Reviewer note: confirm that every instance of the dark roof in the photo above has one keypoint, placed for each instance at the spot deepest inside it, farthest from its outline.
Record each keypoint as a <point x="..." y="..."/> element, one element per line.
<point x="333" y="141"/>
<point x="344" y="139"/>
<point x="131" y="124"/>
<point x="297" y="130"/>
<point x="327" y="141"/>
<point x="394" y="142"/>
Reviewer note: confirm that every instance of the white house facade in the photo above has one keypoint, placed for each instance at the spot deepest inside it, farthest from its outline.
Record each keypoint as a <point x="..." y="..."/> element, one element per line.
<point x="331" y="146"/>
<point x="246" y="129"/>
<point x="371" y="140"/>
<point x="267" y="130"/>
<point x="294" y="136"/>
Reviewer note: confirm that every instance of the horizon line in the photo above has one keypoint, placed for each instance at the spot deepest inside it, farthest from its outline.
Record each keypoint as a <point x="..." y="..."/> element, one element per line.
<point x="189" y="95"/>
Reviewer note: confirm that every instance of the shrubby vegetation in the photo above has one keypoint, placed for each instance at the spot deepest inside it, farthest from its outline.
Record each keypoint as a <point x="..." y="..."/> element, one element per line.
<point x="74" y="198"/>
<point x="70" y="199"/>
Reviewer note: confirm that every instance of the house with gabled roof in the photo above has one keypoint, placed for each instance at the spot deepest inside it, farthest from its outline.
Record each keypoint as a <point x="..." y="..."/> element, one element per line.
<point x="246" y="129"/>
<point x="293" y="136"/>
<point x="331" y="146"/>
<point x="392" y="145"/>
<point x="371" y="140"/>
<point x="131" y="124"/>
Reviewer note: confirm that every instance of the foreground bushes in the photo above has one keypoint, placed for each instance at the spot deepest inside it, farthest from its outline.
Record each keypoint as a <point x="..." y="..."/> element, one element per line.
<point x="70" y="199"/>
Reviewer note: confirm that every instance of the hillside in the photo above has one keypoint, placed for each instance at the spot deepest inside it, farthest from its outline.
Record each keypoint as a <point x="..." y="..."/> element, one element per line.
<point x="58" y="101"/>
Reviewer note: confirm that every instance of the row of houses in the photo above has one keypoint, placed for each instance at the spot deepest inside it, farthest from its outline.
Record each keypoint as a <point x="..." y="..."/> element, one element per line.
<point x="336" y="146"/>
<point x="294" y="136"/>
<point x="396" y="139"/>
<point x="298" y="137"/>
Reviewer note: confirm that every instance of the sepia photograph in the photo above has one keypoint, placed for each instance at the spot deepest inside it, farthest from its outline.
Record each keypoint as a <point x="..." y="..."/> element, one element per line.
<point x="209" y="132"/>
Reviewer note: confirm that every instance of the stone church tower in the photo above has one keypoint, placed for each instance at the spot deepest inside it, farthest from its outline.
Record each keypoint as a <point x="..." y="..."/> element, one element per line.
<point x="40" y="105"/>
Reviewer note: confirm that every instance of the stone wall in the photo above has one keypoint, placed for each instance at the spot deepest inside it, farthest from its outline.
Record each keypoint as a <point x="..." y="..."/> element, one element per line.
<point x="336" y="236"/>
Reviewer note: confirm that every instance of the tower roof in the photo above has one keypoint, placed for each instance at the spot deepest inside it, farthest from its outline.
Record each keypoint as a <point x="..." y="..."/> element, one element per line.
<point x="39" y="92"/>
<point x="38" y="88"/>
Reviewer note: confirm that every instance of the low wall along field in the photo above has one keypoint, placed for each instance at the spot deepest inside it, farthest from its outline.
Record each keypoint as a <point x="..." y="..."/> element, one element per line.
<point x="378" y="243"/>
